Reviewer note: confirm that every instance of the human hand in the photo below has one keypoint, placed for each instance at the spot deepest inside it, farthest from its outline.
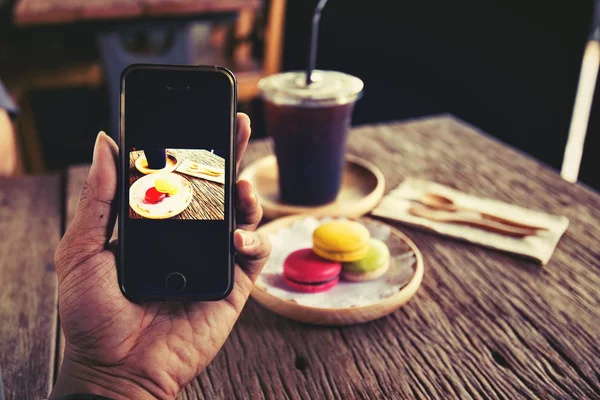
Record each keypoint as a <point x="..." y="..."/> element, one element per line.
<point x="121" y="349"/>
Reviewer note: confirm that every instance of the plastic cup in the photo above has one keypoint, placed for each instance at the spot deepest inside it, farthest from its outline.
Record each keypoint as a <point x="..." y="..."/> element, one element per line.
<point x="157" y="158"/>
<point x="309" y="125"/>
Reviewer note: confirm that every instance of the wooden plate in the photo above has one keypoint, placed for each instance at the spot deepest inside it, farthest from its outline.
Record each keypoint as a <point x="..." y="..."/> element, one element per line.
<point x="169" y="207"/>
<point x="348" y="302"/>
<point x="141" y="164"/>
<point x="362" y="189"/>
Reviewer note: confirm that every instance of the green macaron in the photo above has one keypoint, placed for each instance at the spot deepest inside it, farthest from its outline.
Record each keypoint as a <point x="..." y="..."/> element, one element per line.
<point x="373" y="265"/>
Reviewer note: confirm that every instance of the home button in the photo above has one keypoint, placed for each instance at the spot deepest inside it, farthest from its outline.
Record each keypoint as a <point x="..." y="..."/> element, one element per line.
<point x="175" y="282"/>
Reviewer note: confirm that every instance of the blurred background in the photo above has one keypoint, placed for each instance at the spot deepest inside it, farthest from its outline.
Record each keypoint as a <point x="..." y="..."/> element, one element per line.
<point x="508" y="67"/>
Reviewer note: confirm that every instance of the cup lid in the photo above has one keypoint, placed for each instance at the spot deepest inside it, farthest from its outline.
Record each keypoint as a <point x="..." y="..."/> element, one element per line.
<point x="328" y="88"/>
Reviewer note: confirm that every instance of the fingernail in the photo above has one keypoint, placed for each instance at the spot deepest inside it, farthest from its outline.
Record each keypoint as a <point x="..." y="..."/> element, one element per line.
<point x="247" y="239"/>
<point x="96" y="150"/>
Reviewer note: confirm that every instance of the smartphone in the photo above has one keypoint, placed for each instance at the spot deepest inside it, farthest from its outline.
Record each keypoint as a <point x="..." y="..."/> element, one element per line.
<point x="177" y="169"/>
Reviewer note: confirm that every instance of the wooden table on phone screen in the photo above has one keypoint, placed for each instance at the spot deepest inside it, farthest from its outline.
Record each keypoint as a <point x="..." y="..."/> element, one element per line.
<point x="483" y="325"/>
<point x="208" y="198"/>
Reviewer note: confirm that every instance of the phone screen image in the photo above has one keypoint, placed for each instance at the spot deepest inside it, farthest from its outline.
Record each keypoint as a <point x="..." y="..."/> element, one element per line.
<point x="177" y="149"/>
<point x="184" y="184"/>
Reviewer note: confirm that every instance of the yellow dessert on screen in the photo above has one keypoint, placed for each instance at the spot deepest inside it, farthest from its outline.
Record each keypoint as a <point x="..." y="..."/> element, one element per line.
<point x="166" y="185"/>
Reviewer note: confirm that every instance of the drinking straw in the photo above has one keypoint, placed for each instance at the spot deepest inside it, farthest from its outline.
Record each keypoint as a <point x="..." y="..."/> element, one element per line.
<point x="583" y="102"/>
<point x="312" y="55"/>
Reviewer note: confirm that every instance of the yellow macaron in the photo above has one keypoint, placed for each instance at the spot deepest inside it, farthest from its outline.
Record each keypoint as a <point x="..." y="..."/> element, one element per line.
<point x="341" y="240"/>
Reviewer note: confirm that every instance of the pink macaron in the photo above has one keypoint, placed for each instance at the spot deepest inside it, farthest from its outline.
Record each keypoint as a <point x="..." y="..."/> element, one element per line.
<point x="304" y="271"/>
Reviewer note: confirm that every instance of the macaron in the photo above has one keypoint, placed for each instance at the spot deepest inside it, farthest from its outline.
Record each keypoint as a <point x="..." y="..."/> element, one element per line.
<point x="304" y="271"/>
<point x="372" y="266"/>
<point x="341" y="240"/>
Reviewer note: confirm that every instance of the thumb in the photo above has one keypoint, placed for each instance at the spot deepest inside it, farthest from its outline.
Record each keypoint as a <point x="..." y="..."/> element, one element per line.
<point x="96" y="212"/>
<point x="253" y="250"/>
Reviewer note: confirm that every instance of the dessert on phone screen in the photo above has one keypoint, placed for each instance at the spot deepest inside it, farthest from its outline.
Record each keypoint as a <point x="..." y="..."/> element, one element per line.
<point x="176" y="183"/>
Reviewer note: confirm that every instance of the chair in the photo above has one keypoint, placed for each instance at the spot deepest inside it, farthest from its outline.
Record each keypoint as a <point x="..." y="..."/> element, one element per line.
<point x="93" y="73"/>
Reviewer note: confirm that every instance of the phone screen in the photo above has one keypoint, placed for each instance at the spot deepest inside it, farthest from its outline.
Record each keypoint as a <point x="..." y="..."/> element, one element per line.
<point x="176" y="174"/>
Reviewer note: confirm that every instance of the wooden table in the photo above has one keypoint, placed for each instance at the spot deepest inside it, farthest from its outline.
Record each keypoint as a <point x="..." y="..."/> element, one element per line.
<point x="208" y="198"/>
<point x="36" y="12"/>
<point x="484" y="325"/>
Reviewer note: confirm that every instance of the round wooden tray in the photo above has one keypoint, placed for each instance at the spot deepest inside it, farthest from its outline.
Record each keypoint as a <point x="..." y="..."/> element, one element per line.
<point x="271" y="292"/>
<point x="142" y="165"/>
<point x="362" y="189"/>
<point x="179" y="202"/>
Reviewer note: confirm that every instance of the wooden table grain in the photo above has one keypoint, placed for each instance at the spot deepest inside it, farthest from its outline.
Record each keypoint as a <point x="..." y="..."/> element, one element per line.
<point x="208" y="198"/>
<point x="484" y="325"/>
<point x="40" y="12"/>
<point x="30" y="228"/>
